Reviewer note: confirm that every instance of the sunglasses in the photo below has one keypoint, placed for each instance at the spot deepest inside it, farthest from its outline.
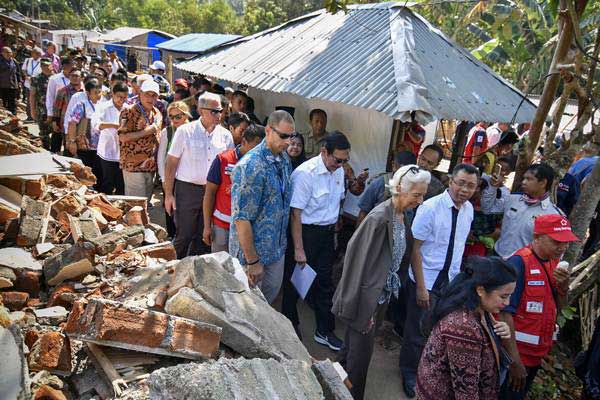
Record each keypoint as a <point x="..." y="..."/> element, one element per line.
<point x="340" y="161"/>
<point x="414" y="170"/>
<point x="176" y="116"/>
<point x="213" y="111"/>
<point x="283" y="136"/>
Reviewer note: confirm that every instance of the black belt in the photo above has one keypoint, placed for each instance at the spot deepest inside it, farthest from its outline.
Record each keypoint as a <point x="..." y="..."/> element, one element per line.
<point x="327" y="228"/>
<point x="189" y="183"/>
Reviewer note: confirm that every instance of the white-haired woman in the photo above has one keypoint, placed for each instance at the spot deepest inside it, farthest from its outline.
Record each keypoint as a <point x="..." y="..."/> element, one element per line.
<point x="378" y="248"/>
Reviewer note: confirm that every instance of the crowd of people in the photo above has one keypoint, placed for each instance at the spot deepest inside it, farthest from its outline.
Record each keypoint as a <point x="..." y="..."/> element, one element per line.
<point x="468" y="271"/>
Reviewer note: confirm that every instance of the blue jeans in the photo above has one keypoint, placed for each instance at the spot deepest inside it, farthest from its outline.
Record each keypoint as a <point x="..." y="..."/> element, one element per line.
<point x="507" y="393"/>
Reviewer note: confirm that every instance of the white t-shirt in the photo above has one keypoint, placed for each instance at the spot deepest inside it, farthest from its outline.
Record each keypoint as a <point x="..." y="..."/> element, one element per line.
<point x="196" y="150"/>
<point x="317" y="192"/>
<point x="108" y="143"/>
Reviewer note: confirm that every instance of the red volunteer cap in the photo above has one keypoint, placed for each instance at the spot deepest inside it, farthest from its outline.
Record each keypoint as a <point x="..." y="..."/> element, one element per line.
<point x="181" y="82"/>
<point x="555" y="226"/>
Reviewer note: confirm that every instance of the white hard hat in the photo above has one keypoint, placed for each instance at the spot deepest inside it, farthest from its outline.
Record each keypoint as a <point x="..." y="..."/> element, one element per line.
<point x="158" y="65"/>
<point x="150" y="86"/>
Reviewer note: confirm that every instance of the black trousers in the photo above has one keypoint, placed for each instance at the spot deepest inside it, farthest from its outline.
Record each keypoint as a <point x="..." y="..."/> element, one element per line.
<point x="56" y="141"/>
<point x="170" y="222"/>
<point x="9" y="99"/>
<point x="189" y="220"/>
<point x="90" y="159"/>
<point x="506" y="393"/>
<point x="112" y="178"/>
<point x="320" y="255"/>
<point x="355" y="355"/>
<point x="413" y="341"/>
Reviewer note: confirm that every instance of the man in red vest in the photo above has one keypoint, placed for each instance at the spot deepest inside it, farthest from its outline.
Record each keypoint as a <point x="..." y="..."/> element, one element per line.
<point x="541" y="291"/>
<point x="217" y="198"/>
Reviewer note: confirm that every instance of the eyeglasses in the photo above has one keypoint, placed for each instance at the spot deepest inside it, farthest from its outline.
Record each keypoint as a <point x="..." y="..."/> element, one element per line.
<point x="283" y="136"/>
<point x="213" y="111"/>
<point x="340" y="161"/>
<point x="463" y="184"/>
<point x="176" y="116"/>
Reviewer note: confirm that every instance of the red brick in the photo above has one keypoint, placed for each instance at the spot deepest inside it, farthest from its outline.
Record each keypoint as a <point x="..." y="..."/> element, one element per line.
<point x="164" y="250"/>
<point x="31" y="336"/>
<point x="46" y="392"/>
<point x="14" y="301"/>
<point x="55" y="297"/>
<point x="109" y="323"/>
<point x="52" y="351"/>
<point x="28" y="281"/>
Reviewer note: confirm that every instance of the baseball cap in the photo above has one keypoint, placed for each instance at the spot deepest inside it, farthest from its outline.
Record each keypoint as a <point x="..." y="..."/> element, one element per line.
<point x="45" y="60"/>
<point x="556" y="226"/>
<point x="181" y="82"/>
<point x="158" y="65"/>
<point x="150" y="86"/>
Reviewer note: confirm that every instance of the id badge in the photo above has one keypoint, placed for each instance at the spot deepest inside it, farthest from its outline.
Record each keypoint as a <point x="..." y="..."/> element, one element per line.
<point x="536" y="307"/>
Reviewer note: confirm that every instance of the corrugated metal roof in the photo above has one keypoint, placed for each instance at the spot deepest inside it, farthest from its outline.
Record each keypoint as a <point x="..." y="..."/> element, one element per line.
<point x="126" y="33"/>
<point x="196" y="42"/>
<point x="378" y="56"/>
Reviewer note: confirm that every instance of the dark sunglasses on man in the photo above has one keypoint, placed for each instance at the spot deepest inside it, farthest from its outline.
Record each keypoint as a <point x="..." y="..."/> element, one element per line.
<point x="213" y="111"/>
<point x="283" y="136"/>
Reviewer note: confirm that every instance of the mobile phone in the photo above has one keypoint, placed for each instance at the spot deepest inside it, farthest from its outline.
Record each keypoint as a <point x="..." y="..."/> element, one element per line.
<point x="497" y="170"/>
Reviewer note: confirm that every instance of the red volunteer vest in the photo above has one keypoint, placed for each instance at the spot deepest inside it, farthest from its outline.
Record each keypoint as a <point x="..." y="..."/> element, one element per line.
<point x="222" y="213"/>
<point x="535" y="319"/>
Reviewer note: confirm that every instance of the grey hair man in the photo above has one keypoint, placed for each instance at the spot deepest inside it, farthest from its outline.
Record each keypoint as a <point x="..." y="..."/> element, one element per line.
<point x="194" y="147"/>
<point x="260" y="206"/>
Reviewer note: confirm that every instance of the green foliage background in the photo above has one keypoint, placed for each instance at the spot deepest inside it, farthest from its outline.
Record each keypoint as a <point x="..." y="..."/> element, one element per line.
<point x="514" y="37"/>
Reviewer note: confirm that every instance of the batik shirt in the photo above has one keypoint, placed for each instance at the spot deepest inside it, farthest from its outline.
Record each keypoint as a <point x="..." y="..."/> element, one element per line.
<point x="261" y="194"/>
<point x="139" y="155"/>
<point x="63" y="96"/>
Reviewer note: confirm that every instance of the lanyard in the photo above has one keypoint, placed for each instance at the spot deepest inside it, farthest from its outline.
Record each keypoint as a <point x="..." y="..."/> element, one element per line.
<point x="91" y="105"/>
<point x="144" y="113"/>
<point x="34" y="66"/>
<point x="64" y="81"/>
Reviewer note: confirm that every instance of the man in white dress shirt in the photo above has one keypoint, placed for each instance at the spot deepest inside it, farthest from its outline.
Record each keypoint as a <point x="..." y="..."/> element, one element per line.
<point x="318" y="190"/>
<point x="106" y="121"/>
<point x="57" y="82"/>
<point x="440" y="230"/>
<point x="193" y="149"/>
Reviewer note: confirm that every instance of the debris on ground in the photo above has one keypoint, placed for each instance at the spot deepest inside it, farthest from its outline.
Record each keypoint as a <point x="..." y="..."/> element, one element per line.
<point x="94" y="303"/>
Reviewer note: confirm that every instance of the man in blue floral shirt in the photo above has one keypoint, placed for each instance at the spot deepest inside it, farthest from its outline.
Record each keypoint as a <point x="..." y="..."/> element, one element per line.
<point x="260" y="206"/>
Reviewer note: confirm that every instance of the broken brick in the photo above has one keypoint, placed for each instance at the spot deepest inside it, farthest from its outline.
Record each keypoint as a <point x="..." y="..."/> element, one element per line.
<point x="131" y="235"/>
<point x="164" y="250"/>
<point x="28" y="281"/>
<point x="69" y="203"/>
<point x="52" y="351"/>
<point x="83" y="174"/>
<point x="46" y="392"/>
<point x="57" y="297"/>
<point x="33" y="216"/>
<point x="110" y="212"/>
<point x="134" y="216"/>
<point x="14" y="301"/>
<point x="83" y="229"/>
<point x="109" y="323"/>
<point x="31" y="336"/>
<point x="77" y="261"/>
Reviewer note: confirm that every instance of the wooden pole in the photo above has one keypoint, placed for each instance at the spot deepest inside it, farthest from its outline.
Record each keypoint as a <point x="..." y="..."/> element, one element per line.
<point x="170" y="70"/>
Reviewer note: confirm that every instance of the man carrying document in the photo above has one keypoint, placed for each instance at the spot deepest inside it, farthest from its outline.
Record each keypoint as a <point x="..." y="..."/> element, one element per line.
<point x="318" y="190"/>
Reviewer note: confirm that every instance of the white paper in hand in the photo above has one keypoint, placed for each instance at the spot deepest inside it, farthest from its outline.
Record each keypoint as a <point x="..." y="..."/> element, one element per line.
<point x="302" y="279"/>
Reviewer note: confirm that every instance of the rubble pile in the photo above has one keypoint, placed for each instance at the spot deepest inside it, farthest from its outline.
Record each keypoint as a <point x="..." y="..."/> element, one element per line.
<point x="94" y="304"/>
